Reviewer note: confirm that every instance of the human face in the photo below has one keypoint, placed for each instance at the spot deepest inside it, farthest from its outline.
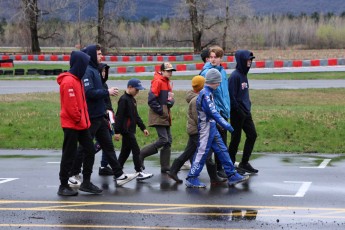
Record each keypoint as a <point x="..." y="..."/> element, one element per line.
<point x="215" y="61"/>
<point x="249" y="62"/>
<point x="99" y="56"/>
<point x="167" y="73"/>
<point x="132" y="91"/>
<point x="103" y="73"/>
<point x="214" y="85"/>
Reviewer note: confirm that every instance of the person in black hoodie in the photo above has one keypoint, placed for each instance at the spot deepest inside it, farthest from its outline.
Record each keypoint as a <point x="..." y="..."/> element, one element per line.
<point x="75" y="123"/>
<point x="105" y="170"/>
<point x="241" y="117"/>
<point x="95" y="95"/>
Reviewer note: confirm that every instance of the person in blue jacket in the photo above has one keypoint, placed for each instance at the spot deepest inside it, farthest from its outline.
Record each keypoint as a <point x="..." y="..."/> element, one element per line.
<point x="241" y="116"/>
<point x="209" y="137"/>
<point x="221" y="94"/>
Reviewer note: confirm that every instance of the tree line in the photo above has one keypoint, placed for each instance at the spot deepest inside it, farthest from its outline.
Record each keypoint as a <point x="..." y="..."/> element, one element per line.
<point x="197" y="24"/>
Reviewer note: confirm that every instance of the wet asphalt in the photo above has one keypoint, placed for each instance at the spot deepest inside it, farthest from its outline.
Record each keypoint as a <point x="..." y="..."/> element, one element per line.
<point x="291" y="191"/>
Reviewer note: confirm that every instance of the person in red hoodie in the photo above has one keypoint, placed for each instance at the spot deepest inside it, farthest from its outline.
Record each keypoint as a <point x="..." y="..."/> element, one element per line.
<point x="75" y="123"/>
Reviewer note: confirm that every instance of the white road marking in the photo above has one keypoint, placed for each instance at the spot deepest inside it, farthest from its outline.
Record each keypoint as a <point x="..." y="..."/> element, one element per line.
<point x="301" y="191"/>
<point x="4" y="180"/>
<point x="52" y="162"/>
<point x="323" y="165"/>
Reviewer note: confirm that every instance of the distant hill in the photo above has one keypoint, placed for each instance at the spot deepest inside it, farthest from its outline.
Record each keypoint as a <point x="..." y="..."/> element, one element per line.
<point x="157" y="9"/>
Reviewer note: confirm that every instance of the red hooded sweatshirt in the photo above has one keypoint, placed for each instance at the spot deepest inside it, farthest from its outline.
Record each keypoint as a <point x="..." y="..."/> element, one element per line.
<point x="74" y="113"/>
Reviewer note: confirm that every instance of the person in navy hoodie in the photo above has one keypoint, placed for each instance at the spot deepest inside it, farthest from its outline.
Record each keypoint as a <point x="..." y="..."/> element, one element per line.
<point x="75" y="123"/>
<point x="241" y="116"/>
<point x="95" y="95"/>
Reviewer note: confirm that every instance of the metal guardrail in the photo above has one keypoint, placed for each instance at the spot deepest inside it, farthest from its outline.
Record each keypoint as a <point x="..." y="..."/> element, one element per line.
<point x="118" y="51"/>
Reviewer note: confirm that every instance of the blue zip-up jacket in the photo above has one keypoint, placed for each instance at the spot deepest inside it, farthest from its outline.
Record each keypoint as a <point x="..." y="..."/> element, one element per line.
<point x="238" y="82"/>
<point x="207" y="111"/>
<point x="94" y="91"/>
<point x="221" y="94"/>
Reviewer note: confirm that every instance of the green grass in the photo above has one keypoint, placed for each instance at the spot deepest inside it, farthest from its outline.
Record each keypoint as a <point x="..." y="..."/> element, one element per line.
<point x="301" y="121"/>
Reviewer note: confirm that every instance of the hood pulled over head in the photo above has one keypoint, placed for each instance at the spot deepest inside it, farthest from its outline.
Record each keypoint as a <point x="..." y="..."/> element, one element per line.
<point x="91" y="50"/>
<point x="78" y="63"/>
<point x="106" y="68"/>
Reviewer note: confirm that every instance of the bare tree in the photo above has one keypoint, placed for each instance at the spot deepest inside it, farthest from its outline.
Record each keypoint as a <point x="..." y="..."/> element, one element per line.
<point x="31" y="17"/>
<point x="100" y="24"/>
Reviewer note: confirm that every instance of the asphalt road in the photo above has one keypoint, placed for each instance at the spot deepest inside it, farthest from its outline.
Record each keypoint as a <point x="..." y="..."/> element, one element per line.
<point x="22" y="86"/>
<point x="291" y="191"/>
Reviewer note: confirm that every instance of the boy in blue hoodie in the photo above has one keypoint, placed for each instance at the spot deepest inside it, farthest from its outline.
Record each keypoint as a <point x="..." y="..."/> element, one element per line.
<point x="241" y="117"/>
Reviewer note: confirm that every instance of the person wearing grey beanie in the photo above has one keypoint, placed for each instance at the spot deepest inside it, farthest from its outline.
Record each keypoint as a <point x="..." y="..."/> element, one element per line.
<point x="209" y="137"/>
<point x="213" y="76"/>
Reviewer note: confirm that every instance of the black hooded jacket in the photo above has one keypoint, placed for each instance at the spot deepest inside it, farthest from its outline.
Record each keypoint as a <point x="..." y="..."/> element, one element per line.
<point x="94" y="91"/>
<point x="238" y="82"/>
<point x="107" y="100"/>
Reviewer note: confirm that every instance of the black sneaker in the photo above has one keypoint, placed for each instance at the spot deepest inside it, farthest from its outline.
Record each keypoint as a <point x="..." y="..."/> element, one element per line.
<point x="90" y="188"/>
<point x="247" y="168"/>
<point x="105" y="171"/>
<point x="65" y="190"/>
<point x="222" y="174"/>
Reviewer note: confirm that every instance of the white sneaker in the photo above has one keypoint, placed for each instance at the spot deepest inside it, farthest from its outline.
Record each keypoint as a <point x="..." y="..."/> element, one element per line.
<point x="75" y="180"/>
<point x="125" y="178"/>
<point x="186" y="165"/>
<point x="143" y="176"/>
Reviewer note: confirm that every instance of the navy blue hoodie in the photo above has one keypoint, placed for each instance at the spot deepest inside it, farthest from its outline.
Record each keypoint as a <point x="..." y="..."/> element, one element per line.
<point x="94" y="91"/>
<point x="238" y="82"/>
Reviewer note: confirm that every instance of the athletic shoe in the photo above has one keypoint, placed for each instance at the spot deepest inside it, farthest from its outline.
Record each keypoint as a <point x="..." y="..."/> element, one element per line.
<point x="66" y="190"/>
<point x="186" y="165"/>
<point x="193" y="182"/>
<point x="90" y="188"/>
<point x="222" y="174"/>
<point x="173" y="175"/>
<point x="125" y="178"/>
<point x="247" y="168"/>
<point x="143" y="176"/>
<point x="105" y="171"/>
<point x="75" y="180"/>
<point x="236" y="178"/>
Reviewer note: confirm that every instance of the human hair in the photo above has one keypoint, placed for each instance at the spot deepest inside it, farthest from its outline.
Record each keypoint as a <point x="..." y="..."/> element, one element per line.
<point x="217" y="50"/>
<point x="98" y="47"/>
<point x="162" y="67"/>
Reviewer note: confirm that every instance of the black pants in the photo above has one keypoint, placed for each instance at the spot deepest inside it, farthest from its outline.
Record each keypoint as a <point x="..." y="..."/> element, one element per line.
<point x="99" y="129"/>
<point x="242" y="121"/>
<point x="190" y="150"/>
<point x="129" y="143"/>
<point x="69" y="151"/>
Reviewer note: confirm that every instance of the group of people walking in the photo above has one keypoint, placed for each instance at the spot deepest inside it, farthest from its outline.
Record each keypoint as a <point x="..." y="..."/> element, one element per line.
<point x="87" y="116"/>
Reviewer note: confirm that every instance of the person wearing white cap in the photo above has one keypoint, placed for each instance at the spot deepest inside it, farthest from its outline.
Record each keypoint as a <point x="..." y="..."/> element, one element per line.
<point x="160" y="101"/>
<point x="209" y="137"/>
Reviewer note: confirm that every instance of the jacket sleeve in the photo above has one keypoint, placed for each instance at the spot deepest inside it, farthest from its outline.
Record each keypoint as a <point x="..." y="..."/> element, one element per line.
<point x="153" y="101"/>
<point x="120" y="116"/>
<point x="140" y="122"/>
<point x="71" y="106"/>
<point x="210" y="109"/>
<point x="90" y="91"/>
